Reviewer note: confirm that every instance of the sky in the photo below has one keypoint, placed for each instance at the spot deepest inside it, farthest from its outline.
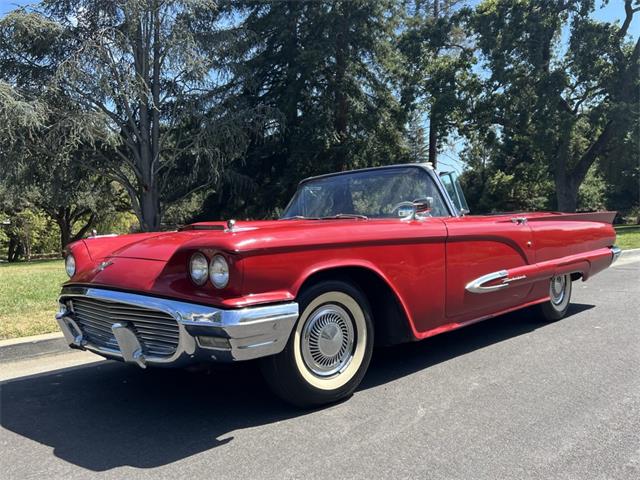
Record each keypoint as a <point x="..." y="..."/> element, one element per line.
<point x="612" y="11"/>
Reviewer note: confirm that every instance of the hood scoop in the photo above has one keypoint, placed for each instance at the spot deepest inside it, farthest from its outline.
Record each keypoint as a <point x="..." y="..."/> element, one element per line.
<point x="201" y="227"/>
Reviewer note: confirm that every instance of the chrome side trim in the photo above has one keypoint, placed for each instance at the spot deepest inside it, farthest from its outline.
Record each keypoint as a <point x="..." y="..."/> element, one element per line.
<point x="615" y="253"/>
<point x="477" y="285"/>
<point x="251" y="332"/>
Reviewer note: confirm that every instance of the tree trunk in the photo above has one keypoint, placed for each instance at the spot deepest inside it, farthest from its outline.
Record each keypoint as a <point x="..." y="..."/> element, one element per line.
<point x="567" y="195"/>
<point x="150" y="209"/>
<point x="64" y="224"/>
<point x="65" y="234"/>
<point x="13" y="247"/>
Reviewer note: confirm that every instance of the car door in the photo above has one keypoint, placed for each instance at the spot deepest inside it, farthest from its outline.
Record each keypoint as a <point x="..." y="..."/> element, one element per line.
<point x="479" y="250"/>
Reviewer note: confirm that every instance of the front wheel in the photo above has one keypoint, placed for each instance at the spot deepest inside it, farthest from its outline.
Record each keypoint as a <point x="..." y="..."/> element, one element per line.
<point x="329" y="350"/>
<point x="559" y="298"/>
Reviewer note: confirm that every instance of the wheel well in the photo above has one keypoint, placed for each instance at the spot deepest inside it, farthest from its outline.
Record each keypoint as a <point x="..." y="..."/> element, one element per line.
<point x="389" y="319"/>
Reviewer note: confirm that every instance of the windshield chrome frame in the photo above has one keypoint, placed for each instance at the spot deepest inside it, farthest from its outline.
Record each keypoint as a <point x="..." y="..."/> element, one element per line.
<point x="427" y="167"/>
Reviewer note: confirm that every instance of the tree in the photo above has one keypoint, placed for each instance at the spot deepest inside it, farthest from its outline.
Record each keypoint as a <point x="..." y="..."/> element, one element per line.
<point x="150" y="70"/>
<point x="323" y="71"/>
<point x="418" y="149"/>
<point x="42" y="165"/>
<point x="558" y="107"/>
<point x="437" y="75"/>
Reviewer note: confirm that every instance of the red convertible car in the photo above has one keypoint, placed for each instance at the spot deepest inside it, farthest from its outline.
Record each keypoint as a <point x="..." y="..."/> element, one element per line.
<point x="361" y="258"/>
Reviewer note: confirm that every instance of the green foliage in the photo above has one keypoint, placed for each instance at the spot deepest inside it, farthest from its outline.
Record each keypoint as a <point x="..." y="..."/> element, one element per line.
<point x="322" y="71"/>
<point x="204" y="109"/>
<point x="34" y="231"/>
<point x="118" y="222"/>
<point x="436" y="75"/>
<point x="415" y="139"/>
<point x="560" y="108"/>
<point x="591" y="195"/>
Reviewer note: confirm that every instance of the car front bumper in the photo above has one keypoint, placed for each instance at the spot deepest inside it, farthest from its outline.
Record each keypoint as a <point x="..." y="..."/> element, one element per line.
<point x="201" y="333"/>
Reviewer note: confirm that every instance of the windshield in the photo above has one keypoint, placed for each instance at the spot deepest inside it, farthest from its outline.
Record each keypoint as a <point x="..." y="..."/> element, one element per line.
<point x="452" y="185"/>
<point x="379" y="193"/>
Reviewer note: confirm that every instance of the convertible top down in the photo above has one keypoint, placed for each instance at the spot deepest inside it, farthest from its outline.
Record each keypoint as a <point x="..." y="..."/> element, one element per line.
<point x="372" y="256"/>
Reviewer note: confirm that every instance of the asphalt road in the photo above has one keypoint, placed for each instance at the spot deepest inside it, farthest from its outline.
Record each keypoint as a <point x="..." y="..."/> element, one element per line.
<point x="508" y="398"/>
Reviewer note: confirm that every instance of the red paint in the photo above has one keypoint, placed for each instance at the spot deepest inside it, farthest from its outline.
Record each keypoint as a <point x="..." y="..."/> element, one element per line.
<point x="426" y="263"/>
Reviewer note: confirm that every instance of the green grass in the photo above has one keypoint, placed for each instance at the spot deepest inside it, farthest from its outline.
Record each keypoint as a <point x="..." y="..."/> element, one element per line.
<point x="28" y="294"/>
<point x="628" y="236"/>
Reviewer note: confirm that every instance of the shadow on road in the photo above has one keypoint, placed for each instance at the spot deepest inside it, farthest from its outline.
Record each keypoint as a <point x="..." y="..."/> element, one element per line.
<point x="109" y="415"/>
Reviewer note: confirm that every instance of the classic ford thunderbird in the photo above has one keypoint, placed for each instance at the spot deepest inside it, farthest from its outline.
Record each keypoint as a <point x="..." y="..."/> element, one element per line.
<point x="361" y="258"/>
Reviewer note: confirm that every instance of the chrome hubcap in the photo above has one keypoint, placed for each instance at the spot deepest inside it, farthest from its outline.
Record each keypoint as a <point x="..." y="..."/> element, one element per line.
<point x="557" y="289"/>
<point x="327" y="340"/>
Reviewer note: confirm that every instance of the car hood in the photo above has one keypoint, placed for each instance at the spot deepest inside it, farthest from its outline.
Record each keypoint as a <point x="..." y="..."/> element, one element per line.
<point x="248" y="236"/>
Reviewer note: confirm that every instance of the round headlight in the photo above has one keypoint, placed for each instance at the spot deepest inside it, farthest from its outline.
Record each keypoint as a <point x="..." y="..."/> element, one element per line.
<point x="198" y="268"/>
<point x="219" y="271"/>
<point x="70" y="265"/>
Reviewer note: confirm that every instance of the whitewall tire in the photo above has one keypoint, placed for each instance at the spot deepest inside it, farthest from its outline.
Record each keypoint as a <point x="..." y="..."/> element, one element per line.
<point x="559" y="298"/>
<point x="329" y="350"/>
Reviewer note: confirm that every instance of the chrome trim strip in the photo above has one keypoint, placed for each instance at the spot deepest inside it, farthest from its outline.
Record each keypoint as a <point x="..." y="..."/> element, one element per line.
<point x="477" y="285"/>
<point x="615" y="253"/>
<point x="252" y="332"/>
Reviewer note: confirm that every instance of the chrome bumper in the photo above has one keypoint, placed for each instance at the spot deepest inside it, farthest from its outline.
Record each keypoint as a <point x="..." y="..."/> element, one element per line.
<point x="615" y="253"/>
<point x="204" y="333"/>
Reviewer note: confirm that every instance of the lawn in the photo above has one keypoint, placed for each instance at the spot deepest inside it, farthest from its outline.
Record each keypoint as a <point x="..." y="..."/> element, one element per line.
<point x="628" y="236"/>
<point x="28" y="293"/>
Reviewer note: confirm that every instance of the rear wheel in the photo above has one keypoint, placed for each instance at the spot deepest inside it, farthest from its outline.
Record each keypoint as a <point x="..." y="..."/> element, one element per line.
<point x="559" y="298"/>
<point x="329" y="350"/>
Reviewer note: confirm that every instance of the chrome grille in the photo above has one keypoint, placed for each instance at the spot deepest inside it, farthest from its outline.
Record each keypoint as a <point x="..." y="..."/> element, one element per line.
<point x="157" y="331"/>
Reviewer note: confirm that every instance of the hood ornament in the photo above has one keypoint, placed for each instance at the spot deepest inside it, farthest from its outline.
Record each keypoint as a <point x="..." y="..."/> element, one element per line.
<point x="231" y="223"/>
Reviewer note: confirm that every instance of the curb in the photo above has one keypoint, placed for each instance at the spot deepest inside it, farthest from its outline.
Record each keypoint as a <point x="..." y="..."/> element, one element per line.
<point x="29" y="347"/>
<point x="633" y="252"/>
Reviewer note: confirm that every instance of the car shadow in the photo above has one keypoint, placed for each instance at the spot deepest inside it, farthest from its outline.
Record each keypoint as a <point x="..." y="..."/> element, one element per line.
<point x="108" y="415"/>
<point x="400" y="360"/>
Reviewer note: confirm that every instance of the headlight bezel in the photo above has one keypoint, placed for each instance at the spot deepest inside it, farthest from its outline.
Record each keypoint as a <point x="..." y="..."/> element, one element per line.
<point x="199" y="256"/>
<point x="216" y="262"/>
<point x="70" y="265"/>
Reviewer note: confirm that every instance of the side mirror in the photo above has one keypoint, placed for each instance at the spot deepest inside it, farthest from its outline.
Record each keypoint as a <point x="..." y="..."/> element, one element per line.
<point x="423" y="205"/>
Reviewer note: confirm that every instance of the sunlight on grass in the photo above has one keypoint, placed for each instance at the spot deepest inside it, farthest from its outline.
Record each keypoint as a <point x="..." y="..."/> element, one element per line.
<point x="628" y="236"/>
<point x="28" y="297"/>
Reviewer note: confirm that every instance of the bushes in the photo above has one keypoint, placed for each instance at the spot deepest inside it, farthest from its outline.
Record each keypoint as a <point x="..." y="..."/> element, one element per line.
<point x="31" y="234"/>
<point x="28" y="234"/>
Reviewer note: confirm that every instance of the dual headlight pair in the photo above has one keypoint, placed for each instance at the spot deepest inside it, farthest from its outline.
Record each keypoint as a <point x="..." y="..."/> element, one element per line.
<point x="199" y="268"/>
<point x="217" y="270"/>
